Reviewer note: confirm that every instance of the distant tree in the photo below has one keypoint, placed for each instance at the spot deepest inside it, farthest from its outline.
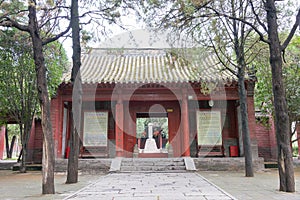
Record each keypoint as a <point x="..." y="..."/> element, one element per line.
<point x="264" y="99"/>
<point x="276" y="48"/>
<point x="268" y="33"/>
<point x="18" y="85"/>
<point x="18" y="80"/>
<point x="40" y="20"/>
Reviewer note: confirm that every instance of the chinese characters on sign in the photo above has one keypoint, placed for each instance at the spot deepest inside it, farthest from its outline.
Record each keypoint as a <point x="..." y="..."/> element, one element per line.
<point x="209" y="128"/>
<point x="95" y="129"/>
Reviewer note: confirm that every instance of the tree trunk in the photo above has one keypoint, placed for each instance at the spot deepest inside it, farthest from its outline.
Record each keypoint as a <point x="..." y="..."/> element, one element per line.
<point x="48" y="144"/>
<point x="240" y="56"/>
<point x="24" y="152"/>
<point x="20" y="156"/>
<point x="12" y="144"/>
<point x="285" y="159"/>
<point x="72" y="176"/>
<point x="23" y="160"/>
<point x="245" y="127"/>
<point x="25" y="132"/>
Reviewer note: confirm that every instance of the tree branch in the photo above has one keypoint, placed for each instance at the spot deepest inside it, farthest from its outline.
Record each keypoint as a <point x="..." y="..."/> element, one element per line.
<point x="7" y="22"/>
<point x="295" y="140"/>
<point x="292" y="32"/>
<point x="257" y="17"/>
<point x="219" y="57"/>
<point x="261" y="35"/>
<point x="56" y="37"/>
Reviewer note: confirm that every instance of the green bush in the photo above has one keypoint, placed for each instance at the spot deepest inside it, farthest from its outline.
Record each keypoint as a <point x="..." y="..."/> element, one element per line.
<point x="295" y="151"/>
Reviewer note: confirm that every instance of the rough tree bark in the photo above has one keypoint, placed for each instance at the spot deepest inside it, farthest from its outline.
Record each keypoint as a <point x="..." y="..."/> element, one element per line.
<point x="285" y="159"/>
<point x="24" y="151"/>
<point x="72" y="175"/>
<point x="239" y="46"/>
<point x="25" y="134"/>
<point x="12" y="144"/>
<point x="48" y="142"/>
<point x="245" y="128"/>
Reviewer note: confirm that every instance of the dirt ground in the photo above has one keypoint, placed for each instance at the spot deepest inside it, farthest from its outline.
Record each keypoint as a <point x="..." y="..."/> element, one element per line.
<point x="15" y="185"/>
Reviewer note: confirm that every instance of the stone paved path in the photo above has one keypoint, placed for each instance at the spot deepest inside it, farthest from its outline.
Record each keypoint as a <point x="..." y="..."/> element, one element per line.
<point x="152" y="186"/>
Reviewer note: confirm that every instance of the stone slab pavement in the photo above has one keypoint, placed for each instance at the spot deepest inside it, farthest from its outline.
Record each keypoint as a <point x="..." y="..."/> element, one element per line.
<point x="151" y="186"/>
<point x="263" y="186"/>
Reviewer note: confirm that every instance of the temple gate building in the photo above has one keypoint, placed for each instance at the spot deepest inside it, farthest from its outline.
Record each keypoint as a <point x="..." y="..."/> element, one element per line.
<point x="193" y="104"/>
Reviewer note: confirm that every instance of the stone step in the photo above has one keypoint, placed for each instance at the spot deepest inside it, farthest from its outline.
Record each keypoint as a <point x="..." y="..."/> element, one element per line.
<point x="150" y="162"/>
<point x="153" y="165"/>
<point x="152" y="168"/>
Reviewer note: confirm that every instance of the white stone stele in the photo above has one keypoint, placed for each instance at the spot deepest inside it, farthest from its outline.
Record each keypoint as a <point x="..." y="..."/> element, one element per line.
<point x="150" y="146"/>
<point x="150" y="130"/>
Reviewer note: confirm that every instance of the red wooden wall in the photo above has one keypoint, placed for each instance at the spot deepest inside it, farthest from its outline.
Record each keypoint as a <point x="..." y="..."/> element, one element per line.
<point x="2" y="141"/>
<point x="266" y="140"/>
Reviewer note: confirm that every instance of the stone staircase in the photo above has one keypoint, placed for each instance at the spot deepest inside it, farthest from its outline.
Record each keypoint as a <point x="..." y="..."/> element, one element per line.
<point x="152" y="165"/>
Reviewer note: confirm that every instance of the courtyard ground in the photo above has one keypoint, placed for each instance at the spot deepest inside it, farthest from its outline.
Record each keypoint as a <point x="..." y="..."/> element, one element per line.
<point x="264" y="185"/>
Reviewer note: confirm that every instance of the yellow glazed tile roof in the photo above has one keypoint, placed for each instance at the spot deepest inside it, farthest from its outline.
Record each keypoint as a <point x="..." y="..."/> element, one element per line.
<point x="150" y="66"/>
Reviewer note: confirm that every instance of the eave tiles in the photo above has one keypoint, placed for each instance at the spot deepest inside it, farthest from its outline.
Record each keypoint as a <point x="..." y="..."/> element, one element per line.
<point x="149" y="66"/>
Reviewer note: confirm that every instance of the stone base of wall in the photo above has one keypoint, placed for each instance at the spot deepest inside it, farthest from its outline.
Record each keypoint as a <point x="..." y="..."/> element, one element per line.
<point x="85" y="166"/>
<point x="94" y="166"/>
<point x="226" y="164"/>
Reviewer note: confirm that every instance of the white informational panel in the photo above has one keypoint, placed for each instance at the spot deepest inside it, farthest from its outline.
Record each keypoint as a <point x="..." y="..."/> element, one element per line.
<point x="95" y="129"/>
<point x="209" y="128"/>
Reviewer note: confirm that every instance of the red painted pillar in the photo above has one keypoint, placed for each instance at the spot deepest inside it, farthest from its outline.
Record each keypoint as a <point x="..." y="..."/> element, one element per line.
<point x="185" y="125"/>
<point x="2" y="141"/>
<point x="119" y="128"/>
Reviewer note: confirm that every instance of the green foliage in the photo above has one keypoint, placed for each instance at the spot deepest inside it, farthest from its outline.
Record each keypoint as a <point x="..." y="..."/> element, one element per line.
<point x="18" y="89"/>
<point x="56" y="62"/>
<point x="14" y="9"/>
<point x="292" y="78"/>
<point x="18" y="86"/>
<point x="13" y="130"/>
<point x="295" y="151"/>
<point x="17" y="77"/>
<point x="263" y="120"/>
<point x="161" y="122"/>
<point x="263" y="88"/>
<point x="208" y="87"/>
<point x="291" y="74"/>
